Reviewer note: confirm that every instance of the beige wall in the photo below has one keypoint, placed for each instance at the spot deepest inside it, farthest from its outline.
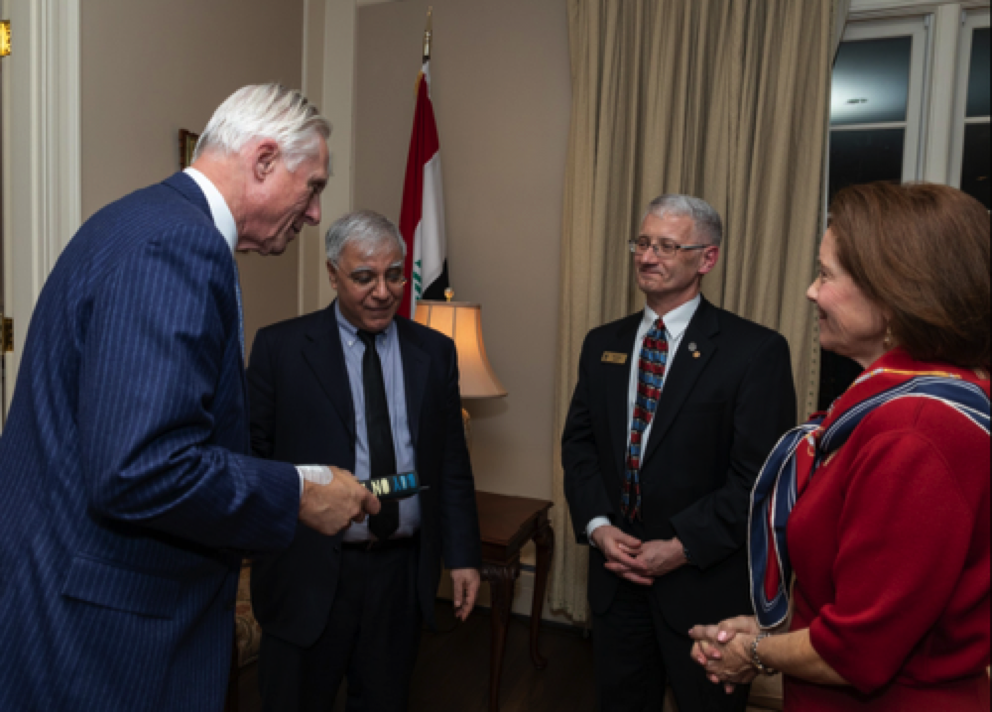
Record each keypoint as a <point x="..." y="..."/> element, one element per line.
<point x="502" y="98"/>
<point x="151" y="67"/>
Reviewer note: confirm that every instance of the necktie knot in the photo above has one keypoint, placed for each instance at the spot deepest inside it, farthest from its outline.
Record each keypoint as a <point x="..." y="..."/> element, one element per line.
<point x="368" y="338"/>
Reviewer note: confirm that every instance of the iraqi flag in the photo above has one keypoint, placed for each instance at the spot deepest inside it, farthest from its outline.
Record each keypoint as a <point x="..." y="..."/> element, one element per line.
<point x="422" y="215"/>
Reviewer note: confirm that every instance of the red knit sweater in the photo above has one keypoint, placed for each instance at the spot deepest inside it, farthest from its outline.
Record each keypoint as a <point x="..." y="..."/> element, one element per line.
<point x="891" y="549"/>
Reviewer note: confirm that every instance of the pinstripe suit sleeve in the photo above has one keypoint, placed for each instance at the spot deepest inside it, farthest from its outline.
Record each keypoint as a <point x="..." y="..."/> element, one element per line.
<point x="157" y="351"/>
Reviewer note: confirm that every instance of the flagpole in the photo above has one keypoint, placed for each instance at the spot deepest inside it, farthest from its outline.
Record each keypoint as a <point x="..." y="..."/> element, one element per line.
<point x="428" y="35"/>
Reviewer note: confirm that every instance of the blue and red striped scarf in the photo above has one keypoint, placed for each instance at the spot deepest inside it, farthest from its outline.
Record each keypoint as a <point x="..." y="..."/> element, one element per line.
<point x="794" y="462"/>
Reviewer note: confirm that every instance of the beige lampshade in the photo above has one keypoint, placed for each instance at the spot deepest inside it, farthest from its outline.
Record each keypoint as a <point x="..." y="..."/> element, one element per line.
<point x="463" y="324"/>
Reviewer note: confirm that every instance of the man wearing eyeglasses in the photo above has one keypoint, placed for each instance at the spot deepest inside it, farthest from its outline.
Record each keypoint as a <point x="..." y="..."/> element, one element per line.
<point x="377" y="395"/>
<point x="675" y="411"/>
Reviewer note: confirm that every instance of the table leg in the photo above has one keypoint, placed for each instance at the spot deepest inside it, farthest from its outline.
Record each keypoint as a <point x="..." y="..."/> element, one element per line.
<point x="545" y="541"/>
<point x="502" y="582"/>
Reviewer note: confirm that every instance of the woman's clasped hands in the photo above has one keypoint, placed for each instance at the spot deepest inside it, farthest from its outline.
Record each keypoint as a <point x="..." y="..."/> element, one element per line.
<point x="724" y="651"/>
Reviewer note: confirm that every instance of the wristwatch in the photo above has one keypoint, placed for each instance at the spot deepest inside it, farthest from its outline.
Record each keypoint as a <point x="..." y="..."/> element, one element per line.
<point x="756" y="658"/>
<point x="685" y="552"/>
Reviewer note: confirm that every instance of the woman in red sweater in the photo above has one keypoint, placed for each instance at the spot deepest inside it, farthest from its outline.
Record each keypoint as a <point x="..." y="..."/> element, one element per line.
<point x="880" y="507"/>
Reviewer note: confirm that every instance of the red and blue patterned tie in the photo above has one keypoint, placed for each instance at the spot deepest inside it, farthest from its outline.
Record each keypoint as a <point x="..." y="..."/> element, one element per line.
<point x="650" y="377"/>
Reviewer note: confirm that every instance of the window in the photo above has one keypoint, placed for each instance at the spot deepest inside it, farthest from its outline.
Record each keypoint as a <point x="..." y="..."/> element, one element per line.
<point x="876" y="117"/>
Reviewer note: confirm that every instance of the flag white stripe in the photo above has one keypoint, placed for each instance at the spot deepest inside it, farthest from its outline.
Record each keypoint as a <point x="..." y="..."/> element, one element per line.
<point x="430" y="232"/>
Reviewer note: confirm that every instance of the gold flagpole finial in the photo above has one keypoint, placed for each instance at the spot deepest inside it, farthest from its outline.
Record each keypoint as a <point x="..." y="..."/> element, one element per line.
<point x="429" y="34"/>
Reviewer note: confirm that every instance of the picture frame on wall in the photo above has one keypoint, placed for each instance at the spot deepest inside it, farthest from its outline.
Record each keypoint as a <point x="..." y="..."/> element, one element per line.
<point x="187" y="145"/>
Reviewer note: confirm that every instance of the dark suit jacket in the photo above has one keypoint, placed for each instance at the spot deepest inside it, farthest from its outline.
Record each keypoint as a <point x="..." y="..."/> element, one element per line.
<point x="125" y="481"/>
<point x="302" y="412"/>
<point x="718" y="419"/>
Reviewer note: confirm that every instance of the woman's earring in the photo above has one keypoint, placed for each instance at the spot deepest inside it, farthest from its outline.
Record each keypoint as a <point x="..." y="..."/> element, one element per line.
<point x="889" y="341"/>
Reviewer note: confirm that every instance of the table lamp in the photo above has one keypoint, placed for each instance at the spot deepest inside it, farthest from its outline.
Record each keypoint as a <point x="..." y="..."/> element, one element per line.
<point x="463" y="324"/>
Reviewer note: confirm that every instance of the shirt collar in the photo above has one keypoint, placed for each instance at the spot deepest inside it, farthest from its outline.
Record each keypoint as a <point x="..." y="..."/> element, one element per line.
<point x="677" y="320"/>
<point x="349" y="332"/>
<point x="219" y="210"/>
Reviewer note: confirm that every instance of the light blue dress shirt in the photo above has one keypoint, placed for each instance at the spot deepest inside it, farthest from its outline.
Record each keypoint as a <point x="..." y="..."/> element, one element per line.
<point x="388" y="346"/>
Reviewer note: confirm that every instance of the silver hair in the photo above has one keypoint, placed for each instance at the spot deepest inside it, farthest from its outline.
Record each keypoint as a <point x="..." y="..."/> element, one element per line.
<point x="266" y="111"/>
<point x="369" y="230"/>
<point x="708" y="224"/>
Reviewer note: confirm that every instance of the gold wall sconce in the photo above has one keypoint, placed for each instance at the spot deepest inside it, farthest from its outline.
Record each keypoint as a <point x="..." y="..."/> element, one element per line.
<point x="5" y="38"/>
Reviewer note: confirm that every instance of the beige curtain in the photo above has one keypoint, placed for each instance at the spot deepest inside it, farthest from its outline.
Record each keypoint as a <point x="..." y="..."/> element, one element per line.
<point x="723" y="99"/>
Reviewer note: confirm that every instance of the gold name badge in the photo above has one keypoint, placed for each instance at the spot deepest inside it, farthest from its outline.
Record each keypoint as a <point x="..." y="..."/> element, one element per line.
<point x="618" y="359"/>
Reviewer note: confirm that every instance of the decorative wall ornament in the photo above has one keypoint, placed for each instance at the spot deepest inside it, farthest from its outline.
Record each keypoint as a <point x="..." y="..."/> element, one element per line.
<point x="5" y="38"/>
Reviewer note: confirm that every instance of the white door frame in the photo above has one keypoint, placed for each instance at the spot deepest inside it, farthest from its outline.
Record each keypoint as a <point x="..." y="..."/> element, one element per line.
<point x="330" y="47"/>
<point x="41" y="153"/>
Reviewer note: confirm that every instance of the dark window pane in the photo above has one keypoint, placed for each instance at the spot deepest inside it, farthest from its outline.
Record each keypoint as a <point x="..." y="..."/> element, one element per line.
<point x="858" y="157"/>
<point x="978" y="80"/>
<point x="837" y="373"/>
<point x="871" y="82"/>
<point x="975" y="176"/>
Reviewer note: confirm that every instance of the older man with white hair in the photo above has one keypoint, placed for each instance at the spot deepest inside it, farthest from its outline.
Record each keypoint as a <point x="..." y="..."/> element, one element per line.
<point x="357" y="386"/>
<point x="127" y="493"/>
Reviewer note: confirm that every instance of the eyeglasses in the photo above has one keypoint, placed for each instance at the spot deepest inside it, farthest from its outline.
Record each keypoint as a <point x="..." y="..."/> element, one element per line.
<point x="365" y="279"/>
<point x="663" y="248"/>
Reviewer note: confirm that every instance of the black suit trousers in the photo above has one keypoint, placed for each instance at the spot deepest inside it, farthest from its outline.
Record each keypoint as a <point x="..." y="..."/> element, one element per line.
<point x="371" y="639"/>
<point x="638" y="654"/>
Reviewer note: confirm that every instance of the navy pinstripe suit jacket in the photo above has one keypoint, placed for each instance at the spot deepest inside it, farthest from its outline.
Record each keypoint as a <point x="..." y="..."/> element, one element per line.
<point x="126" y="491"/>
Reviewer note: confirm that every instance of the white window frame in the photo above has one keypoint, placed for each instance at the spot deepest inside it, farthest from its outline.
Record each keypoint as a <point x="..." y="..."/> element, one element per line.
<point x="971" y="21"/>
<point x="915" y="124"/>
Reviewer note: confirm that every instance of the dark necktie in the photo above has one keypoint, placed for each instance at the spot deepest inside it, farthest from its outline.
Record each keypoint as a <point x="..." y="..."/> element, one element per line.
<point x="650" y="377"/>
<point x="382" y="454"/>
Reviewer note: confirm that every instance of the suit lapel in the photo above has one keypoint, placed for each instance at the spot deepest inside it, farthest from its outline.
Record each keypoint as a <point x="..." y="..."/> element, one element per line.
<point x="618" y="388"/>
<point x="416" y="370"/>
<point x="324" y="354"/>
<point x="685" y="372"/>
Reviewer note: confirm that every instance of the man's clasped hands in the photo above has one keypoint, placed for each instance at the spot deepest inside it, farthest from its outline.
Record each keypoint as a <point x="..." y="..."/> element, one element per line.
<point x="724" y="650"/>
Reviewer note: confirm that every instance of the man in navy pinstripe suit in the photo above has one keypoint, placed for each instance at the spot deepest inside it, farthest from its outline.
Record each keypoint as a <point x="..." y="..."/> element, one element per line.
<point x="127" y="494"/>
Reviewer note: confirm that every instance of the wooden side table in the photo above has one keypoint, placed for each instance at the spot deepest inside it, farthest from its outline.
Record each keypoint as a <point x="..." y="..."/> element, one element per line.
<point x="507" y="524"/>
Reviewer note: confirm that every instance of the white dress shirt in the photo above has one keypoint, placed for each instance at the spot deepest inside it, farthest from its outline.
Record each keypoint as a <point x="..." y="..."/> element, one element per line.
<point x="224" y="221"/>
<point x="676" y="323"/>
